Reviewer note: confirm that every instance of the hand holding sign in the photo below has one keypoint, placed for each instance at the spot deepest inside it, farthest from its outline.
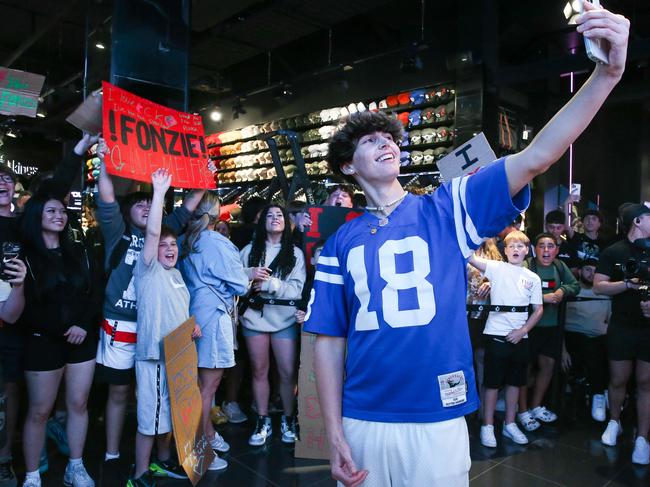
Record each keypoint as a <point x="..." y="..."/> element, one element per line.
<point x="161" y="180"/>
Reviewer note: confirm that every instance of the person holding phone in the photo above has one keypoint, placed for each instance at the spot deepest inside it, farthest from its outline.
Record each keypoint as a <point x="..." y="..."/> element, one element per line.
<point x="388" y="301"/>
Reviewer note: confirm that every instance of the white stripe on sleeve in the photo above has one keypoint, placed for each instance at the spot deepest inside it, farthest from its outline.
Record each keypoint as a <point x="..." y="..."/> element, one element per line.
<point x="458" y="218"/>
<point x="329" y="278"/>
<point x="469" y="224"/>
<point x="329" y="261"/>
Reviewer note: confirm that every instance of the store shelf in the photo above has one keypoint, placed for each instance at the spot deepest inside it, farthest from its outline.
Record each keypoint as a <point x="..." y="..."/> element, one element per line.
<point x="410" y="108"/>
<point x="423" y="147"/>
<point x="438" y="123"/>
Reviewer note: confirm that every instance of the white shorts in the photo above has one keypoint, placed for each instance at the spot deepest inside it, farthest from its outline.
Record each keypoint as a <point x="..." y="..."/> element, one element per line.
<point x="410" y="454"/>
<point x="152" y="396"/>
<point x="116" y="348"/>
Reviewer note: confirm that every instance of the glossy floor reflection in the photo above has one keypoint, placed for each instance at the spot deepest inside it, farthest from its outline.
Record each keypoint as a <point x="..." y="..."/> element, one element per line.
<point x="566" y="454"/>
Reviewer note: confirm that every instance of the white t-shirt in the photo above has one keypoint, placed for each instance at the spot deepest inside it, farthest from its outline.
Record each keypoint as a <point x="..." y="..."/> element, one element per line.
<point x="511" y="285"/>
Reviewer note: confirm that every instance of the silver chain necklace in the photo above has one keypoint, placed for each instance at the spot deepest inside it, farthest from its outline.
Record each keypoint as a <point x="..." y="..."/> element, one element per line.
<point x="382" y="209"/>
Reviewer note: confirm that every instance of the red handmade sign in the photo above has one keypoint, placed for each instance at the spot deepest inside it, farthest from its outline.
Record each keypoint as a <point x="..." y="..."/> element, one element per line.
<point x="143" y="136"/>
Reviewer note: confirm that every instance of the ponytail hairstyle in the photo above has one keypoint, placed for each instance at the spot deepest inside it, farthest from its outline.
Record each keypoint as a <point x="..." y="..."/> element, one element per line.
<point x="286" y="257"/>
<point x="206" y="214"/>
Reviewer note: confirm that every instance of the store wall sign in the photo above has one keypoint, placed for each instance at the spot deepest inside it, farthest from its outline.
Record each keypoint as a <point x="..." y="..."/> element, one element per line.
<point x="19" y="92"/>
<point x="469" y="157"/>
<point x="143" y="136"/>
<point x="18" y="167"/>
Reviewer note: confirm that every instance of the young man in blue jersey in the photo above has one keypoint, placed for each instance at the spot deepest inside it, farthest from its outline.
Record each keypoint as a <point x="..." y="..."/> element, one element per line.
<point x="390" y="287"/>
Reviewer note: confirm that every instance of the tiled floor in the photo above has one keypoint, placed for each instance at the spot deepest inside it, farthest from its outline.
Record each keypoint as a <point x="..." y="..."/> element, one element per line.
<point x="569" y="454"/>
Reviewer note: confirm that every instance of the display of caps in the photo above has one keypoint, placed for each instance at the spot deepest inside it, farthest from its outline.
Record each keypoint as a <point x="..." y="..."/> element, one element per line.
<point x="429" y="136"/>
<point x="404" y="118"/>
<point x="415" y="136"/>
<point x="392" y="101"/>
<point x="361" y="107"/>
<point x="404" y="158"/>
<point x="372" y="106"/>
<point x="405" y="139"/>
<point x="404" y="98"/>
<point x="429" y="157"/>
<point x="383" y="103"/>
<point x="418" y="97"/>
<point x="352" y="108"/>
<point x="415" y="118"/>
<point x="441" y="114"/>
<point x="440" y="152"/>
<point x="443" y="134"/>
<point x="417" y="157"/>
<point x="428" y="115"/>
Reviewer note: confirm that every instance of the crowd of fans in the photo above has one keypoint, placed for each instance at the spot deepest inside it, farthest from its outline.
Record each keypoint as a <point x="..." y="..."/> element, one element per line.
<point x="84" y="308"/>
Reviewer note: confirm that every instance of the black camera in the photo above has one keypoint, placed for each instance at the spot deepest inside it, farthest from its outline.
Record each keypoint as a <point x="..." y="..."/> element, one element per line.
<point x="10" y="250"/>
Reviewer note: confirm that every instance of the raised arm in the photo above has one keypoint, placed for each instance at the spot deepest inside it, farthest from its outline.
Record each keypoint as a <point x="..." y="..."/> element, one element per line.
<point x="105" y="183"/>
<point x="478" y="262"/>
<point x="193" y="199"/>
<point x="161" y="179"/>
<point x="565" y="127"/>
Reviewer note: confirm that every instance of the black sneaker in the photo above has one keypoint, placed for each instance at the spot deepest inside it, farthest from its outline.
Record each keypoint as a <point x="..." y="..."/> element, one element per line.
<point x="159" y="468"/>
<point x="144" y="480"/>
<point x="7" y="475"/>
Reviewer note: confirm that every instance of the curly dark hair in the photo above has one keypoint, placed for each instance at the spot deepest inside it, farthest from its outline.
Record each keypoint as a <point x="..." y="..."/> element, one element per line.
<point x="344" y="142"/>
<point x="286" y="257"/>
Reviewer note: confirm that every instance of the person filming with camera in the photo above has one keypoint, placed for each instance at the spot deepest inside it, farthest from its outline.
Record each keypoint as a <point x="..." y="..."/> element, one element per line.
<point x="622" y="273"/>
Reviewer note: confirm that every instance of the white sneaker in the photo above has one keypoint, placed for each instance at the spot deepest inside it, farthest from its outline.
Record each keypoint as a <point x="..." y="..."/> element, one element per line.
<point x="641" y="453"/>
<point x="544" y="415"/>
<point x="263" y="431"/>
<point x="487" y="436"/>
<point x="219" y="444"/>
<point x="598" y="407"/>
<point x="233" y="412"/>
<point x="527" y="421"/>
<point x="612" y="432"/>
<point x="218" y="464"/>
<point x="288" y="429"/>
<point x="32" y="482"/>
<point x="76" y="476"/>
<point x="514" y="433"/>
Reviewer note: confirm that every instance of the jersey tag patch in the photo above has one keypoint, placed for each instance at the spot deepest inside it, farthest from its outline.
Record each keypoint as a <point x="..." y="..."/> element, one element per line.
<point x="453" y="388"/>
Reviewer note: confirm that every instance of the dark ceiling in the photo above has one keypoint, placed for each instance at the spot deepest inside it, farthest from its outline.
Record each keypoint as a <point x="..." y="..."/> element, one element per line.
<point x="242" y="46"/>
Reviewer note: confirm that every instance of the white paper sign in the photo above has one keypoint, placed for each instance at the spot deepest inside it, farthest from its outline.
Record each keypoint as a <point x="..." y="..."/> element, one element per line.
<point x="467" y="158"/>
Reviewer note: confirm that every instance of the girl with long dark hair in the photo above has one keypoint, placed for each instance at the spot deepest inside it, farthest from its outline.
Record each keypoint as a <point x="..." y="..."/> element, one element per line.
<point x="277" y="270"/>
<point x="63" y="299"/>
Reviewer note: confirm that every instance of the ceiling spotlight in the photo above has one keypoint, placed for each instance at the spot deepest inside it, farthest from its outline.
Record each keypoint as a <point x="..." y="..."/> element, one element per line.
<point x="12" y="134"/>
<point x="216" y="115"/>
<point x="100" y="45"/>
<point x="41" y="112"/>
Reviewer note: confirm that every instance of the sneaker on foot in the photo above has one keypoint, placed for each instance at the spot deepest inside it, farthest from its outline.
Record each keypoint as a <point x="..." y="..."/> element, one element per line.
<point x="288" y="429"/>
<point x="527" y="421"/>
<point x="544" y="415"/>
<point x="76" y="476"/>
<point x="598" y="407"/>
<point x="612" y="432"/>
<point x="514" y="433"/>
<point x="233" y="412"/>
<point x="166" y="469"/>
<point x="219" y="444"/>
<point x="218" y="464"/>
<point x="55" y="431"/>
<point x="32" y="482"/>
<point x="217" y="416"/>
<point x="262" y="431"/>
<point x="144" y="480"/>
<point x="7" y="475"/>
<point x="487" y="436"/>
<point x="641" y="453"/>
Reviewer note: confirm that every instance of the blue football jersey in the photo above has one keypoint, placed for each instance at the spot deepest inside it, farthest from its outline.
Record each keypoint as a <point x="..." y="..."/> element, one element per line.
<point x="397" y="292"/>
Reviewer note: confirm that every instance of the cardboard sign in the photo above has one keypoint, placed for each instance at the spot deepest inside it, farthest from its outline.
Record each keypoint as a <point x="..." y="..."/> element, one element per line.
<point x="19" y="92"/>
<point x="313" y="440"/>
<point x="143" y="136"/>
<point x="472" y="155"/>
<point x="325" y="221"/>
<point x="87" y="117"/>
<point x="194" y="451"/>
<point x="575" y="189"/>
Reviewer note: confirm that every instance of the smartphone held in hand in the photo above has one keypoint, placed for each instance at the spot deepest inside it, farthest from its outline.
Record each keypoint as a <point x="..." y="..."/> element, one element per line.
<point x="10" y="250"/>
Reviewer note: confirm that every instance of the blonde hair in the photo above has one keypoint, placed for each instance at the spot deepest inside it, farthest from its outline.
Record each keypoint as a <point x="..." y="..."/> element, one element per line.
<point x="206" y="214"/>
<point x="518" y="237"/>
<point x="489" y="250"/>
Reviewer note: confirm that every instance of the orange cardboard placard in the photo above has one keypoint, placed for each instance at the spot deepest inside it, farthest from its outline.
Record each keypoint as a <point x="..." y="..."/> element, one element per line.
<point x="194" y="451"/>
